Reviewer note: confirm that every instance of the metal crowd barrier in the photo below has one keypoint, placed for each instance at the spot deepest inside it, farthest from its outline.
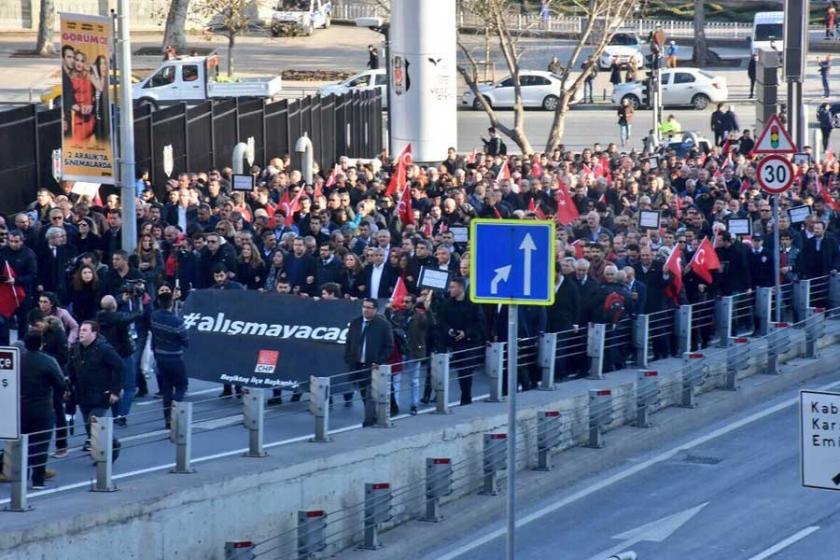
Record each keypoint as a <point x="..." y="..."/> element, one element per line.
<point x="690" y="331"/>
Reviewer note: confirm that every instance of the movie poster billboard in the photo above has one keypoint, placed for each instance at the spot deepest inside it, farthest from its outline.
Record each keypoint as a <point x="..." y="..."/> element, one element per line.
<point x="87" y="147"/>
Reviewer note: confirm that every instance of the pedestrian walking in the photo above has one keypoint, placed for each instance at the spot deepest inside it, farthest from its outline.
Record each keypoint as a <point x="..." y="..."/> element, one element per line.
<point x="169" y="338"/>
<point x="824" y="66"/>
<point x="751" y="69"/>
<point x="554" y="65"/>
<point x="730" y="122"/>
<point x="615" y="73"/>
<point x="40" y="378"/>
<point x="373" y="58"/>
<point x="671" y="54"/>
<point x="96" y="371"/>
<point x="830" y="20"/>
<point x="717" y="124"/>
<point x="370" y="341"/>
<point x="625" y="121"/>
<point x="826" y="122"/>
<point x="589" y="81"/>
<point x="632" y="69"/>
<point x="116" y="327"/>
<point x="411" y="325"/>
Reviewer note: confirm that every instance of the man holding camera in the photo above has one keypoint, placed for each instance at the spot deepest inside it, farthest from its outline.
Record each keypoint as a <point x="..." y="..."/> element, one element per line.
<point x="463" y="327"/>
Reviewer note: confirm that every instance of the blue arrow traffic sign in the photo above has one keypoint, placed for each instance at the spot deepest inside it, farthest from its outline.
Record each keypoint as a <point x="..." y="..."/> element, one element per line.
<point x="512" y="262"/>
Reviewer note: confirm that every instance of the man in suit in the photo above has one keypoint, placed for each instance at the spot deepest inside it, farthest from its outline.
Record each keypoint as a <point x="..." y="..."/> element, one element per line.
<point x="820" y="256"/>
<point x="564" y="313"/>
<point x="462" y="330"/>
<point x="637" y="291"/>
<point x="370" y="341"/>
<point x="181" y="214"/>
<point x="328" y="268"/>
<point x="649" y="272"/>
<point x="53" y="262"/>
<point x="379" y="277"/>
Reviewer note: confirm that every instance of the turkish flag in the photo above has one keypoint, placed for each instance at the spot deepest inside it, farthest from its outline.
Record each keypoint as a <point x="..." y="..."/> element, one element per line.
<point x="578" y="245"/>
<point x="674" y="266"/>
<point x="826" y="196"/>
<point x="532" y="206"/>
<point x="745" y="186"/>
<point x="333" y="174"/>
<point x="470" y="158"/>
<point x="406" y="213"/>
<point x="398" y="178"/>
<point x="11" y="295"/>
<point x="567" y="212"/>
<point x="290" y="207"/>
<point x="400" y="291"/>
<point x="504" y="172"/>
<point x="704" y="261"/>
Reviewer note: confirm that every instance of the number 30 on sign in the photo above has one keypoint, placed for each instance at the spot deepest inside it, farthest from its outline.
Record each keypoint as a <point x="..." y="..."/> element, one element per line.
<point x="775" y="174"/>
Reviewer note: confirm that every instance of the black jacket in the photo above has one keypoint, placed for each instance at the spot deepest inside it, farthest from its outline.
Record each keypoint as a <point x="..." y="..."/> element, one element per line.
<point x="330" y="272"/>
<point x="40" y="378"/>
<point x="461" y="316"/>
<point x="115" y="327"/>
<point x="761" y="268"/>
<point x="386" y="282"/>
<point x="565" y="311"/>
<point x="734" y="270"/>
<point x="655" y="284"/>
<point x="96" y="372"/>
<point x="379" y="345"/>
<point x="813" y="263"/>
<point x="25" y="265"/>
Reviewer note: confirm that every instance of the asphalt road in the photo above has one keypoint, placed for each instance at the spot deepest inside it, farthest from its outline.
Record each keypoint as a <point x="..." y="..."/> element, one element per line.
<point x="217" y="432"/>
<point x="728" y="492"/>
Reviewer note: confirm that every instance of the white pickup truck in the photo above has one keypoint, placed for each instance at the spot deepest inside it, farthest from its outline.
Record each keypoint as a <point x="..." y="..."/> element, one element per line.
<point x="193" y="78"/>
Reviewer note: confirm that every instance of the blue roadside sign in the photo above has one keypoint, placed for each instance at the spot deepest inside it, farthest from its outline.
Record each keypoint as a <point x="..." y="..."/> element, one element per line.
<point x="512" y="262"/>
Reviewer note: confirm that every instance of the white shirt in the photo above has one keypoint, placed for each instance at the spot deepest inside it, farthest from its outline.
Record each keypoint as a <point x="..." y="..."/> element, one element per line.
<point x="375" y="279"/>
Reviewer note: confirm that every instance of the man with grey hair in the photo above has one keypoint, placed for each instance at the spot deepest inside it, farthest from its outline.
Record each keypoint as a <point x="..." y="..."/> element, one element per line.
<point x="115" y="326"/>
<point x="53" y="261"/>
<point x="378" y="276"/>
<point x="637" y="290"/>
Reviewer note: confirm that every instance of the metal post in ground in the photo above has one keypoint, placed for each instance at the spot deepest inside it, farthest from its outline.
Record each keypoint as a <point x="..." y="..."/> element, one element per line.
<point x="778" y="342"/>
<point x="494" y="356"/>
<point x="311" y="532"/>
<point x="737" y="359"/>
<point x="377" y="511"/>
<point x="647" y="396"/>
<point x="440" y="382"/>
<point x="253" y="418"/>
<point x="494" y="461"/>
<point x="723" y="320"/>
<point x="438" y="485"/>
<point x="695" y="373"/>
<point x="641" y="339"/>
<point x="595" y="338"/>
<point x="380" y="388"/>
<point x="600" y="415"/>
<point x="319" y="407"/>
<point x="182" y="412"/>
<point x="801" y="299"/>
<point x="814" y="330"/>
<point x="549" y="434"/>
<point x="546" y="356"/>
<point x="763" y="307"/>
<point x="684" y="328"/>
<point x="102" y="450"/>
<point x="17" y="454"/>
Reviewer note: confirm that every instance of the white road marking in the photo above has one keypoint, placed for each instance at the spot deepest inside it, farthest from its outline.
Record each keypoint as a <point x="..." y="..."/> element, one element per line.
<point x="785" y="543"/>
<point x="618" y="477"/>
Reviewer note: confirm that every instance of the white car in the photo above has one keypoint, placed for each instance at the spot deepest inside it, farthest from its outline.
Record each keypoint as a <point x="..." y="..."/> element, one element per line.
<point x="539" y="89"/>
<point x="680" y="87"/>
<point x="623" y="47"/>
<point x="301" y="16"/>
<point x="363" y="81"/>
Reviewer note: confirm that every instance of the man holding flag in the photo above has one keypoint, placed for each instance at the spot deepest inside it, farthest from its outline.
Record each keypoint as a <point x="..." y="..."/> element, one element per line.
<point x="701" y="289"/>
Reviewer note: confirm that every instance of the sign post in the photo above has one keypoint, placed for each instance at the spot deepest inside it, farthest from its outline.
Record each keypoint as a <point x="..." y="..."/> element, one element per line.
<point x="819" y="413"/>
<point x="9" y="393"/>
<point x="775" y="176"/>
<point x="512" y="263"/>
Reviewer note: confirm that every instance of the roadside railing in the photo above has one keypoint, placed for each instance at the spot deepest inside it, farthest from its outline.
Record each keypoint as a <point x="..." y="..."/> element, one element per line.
<point x="731" y="326"/>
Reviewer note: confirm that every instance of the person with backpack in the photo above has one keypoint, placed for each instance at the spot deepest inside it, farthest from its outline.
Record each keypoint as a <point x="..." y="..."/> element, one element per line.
<point x="614" y="302"/>
<point x="494" y="146"/>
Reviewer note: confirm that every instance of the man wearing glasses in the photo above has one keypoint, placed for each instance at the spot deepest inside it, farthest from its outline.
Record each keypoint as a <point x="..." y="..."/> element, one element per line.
<point x="370" y="341"/>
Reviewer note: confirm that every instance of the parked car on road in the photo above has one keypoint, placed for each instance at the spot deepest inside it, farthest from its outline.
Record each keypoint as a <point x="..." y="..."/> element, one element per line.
<point x="193" y="79"/>
<point x="300" y="17"/>
<point x="680" y="87"/>
<point x="363" y="81"/>
<point x="623" y="47"/>
<point x="539" y="89"/>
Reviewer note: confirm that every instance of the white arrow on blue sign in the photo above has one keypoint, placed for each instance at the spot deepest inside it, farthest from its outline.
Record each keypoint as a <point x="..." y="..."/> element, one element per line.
<point x="512" y="262"/>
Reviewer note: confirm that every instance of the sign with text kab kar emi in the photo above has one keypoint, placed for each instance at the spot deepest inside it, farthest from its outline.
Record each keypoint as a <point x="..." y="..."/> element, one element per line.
<point x="774" y="139"/>
<point x="86" y="147"/>
<point x="820" y="438"/>
<point x="512" y="262"/>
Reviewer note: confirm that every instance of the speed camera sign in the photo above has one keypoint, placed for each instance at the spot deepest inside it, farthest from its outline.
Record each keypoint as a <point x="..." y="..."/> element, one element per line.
<point x="775" y="174"/>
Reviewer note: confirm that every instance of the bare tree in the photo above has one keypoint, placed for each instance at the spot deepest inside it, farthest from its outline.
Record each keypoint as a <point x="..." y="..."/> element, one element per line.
<point x="226" y="17"/>
<point x="493" y="14"/>
<point x="701" y="47"/>
<point x="176" y="20"/>
<point x="46" y="23"/>
<point x="601" y="20"/>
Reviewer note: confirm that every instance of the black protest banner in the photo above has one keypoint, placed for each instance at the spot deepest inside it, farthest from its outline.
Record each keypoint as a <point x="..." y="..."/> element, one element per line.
<point x="264" y="340"/>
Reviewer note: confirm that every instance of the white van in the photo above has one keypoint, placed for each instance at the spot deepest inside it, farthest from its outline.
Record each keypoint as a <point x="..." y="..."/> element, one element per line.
<point x="768" y="31"/>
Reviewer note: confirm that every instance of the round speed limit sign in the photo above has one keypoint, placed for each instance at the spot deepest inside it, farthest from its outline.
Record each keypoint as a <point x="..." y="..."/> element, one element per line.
<point x="775" y="174"/>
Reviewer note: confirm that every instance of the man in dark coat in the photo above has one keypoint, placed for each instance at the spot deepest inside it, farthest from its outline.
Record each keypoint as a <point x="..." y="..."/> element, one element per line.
<point x="751" y="72"/>
<point x="370" y="341"/>
<point x="379" y="277"/>
<point x="54" y="260"/>
<point x="24" y="264"/>
<point x="115" y="326"/>
<point x="214" y="254"/>
<point x="96" y="371"/>
<point x="734" y="266"/>
<point x="329" y="267"/>
<point x="40" y="379"/>
<point x="462" y="330"/>
<point x="717" y="122"/>
<point x="649" y="272"/>
<point x="819" y="256"/>
<point x="564" y="313"/>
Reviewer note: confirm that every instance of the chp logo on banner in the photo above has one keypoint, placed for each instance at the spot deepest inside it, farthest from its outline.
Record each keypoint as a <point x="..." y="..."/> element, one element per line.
<point x="267" y="361"/>
<point x="87" y="147"/>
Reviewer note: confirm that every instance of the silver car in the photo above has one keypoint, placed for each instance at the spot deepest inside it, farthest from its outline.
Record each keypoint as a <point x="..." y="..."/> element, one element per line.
<point x="680" y="87"/>
<point x="539" y="89"/>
